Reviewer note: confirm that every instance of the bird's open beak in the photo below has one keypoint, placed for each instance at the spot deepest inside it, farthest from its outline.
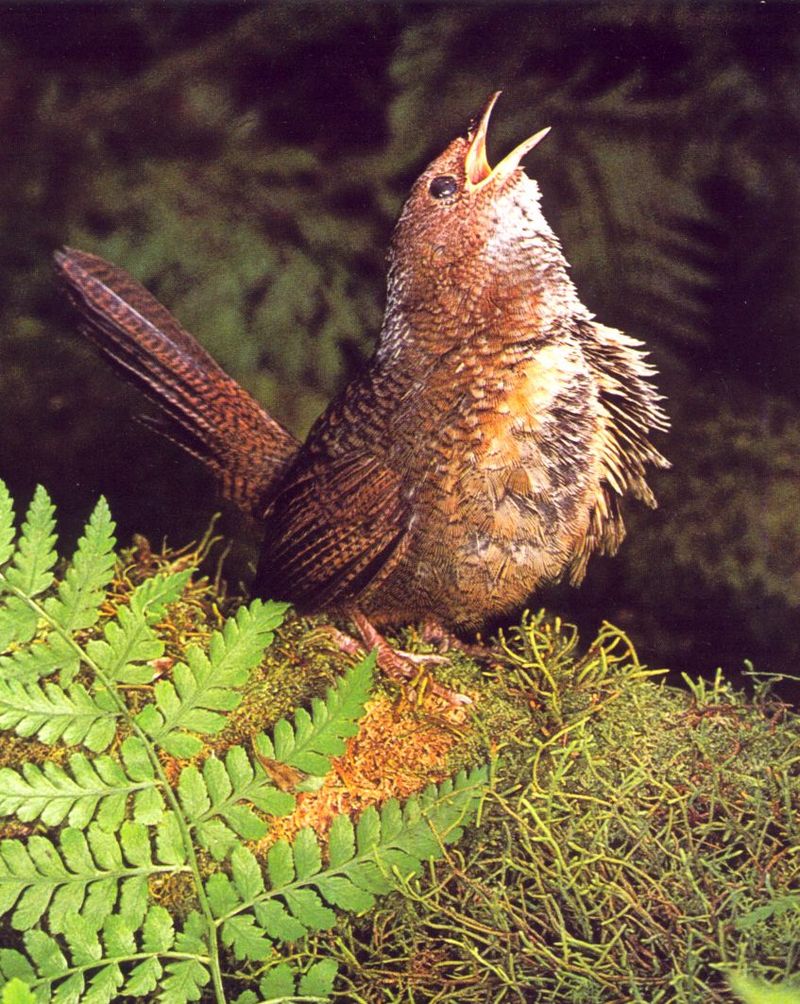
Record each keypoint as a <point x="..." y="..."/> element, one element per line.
<point x="476" y="164"/>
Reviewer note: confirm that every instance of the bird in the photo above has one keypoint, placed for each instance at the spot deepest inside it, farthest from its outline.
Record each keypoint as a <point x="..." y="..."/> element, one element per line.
<point x="482" y="452"/>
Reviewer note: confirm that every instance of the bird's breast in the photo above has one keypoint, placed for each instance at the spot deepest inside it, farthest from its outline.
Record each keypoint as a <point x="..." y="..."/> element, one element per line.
<point x="501" y="501"/>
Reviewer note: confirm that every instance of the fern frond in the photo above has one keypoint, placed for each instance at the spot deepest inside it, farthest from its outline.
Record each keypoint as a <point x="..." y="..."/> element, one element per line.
<point x="129" y="639"/>
<point x="88" y="789"/>
<point x="131" y="819"/>
<point x="318" y="736"/>
<point x="76" y="606"/>
<point x="206" y="685"/>
<point x="387" y="846"/>
<point x="6" y="524"/>
<point x="52" y="654"/>
<point x="218" y="801"/>
<point x="87" y="965"/>
<point x="85" y="874"/>
<point x="51" y="713"/>
<point x="31" y="569"/>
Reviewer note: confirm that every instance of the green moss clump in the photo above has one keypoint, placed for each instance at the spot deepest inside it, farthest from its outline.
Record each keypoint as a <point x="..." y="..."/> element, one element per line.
<point x="639" y="843"/>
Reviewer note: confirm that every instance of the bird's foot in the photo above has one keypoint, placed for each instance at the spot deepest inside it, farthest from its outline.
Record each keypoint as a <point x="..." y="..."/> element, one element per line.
<point x="433" y="632"/>
<point x="403" y="667"/>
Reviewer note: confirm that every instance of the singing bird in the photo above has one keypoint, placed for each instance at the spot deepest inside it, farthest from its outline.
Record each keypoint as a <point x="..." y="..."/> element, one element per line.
<point x="482" y="452"/>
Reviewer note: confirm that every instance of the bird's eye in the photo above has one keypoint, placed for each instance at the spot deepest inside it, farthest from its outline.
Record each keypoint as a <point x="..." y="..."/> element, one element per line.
<point x="443" y="186"/>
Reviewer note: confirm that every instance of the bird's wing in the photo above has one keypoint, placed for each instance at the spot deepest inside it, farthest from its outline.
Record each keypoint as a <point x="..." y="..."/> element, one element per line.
<point x="630" y="409"/>
<point x="336" y="525"/>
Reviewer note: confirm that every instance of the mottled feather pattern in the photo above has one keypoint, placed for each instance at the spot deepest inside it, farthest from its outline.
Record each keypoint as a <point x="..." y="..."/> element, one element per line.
<point x="482" y="452"/>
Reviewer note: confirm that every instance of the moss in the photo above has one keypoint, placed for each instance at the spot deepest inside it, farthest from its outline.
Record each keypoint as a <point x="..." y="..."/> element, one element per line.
<point x="638" y="841"/>
<point x="625" y="849"/>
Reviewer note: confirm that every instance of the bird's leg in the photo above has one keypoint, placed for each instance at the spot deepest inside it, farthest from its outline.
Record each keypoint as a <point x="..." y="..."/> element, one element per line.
<point x="399" y="666"/>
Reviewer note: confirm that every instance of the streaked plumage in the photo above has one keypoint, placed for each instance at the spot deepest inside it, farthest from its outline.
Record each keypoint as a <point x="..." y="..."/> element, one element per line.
<point x="483" y="451"/>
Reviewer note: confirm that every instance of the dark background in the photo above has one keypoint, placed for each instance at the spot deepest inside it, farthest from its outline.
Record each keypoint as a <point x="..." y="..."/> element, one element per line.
<point x="247" y="161"/>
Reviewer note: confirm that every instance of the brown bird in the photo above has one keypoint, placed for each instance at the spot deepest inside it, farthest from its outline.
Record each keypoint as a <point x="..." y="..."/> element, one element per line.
<point x="481" y="453"/>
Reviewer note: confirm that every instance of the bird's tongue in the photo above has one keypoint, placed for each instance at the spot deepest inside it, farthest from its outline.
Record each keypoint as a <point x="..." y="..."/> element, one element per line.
<point x="476" y="164"/>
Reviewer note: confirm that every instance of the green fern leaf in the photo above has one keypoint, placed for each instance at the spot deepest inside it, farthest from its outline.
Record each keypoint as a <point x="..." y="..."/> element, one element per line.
<point x="51" y="713"/>
<point x="205" y="685"/>
<point x="360" y="864"/>
<point x="80" y="593"/>
<point x="104" y="985"/>
<point x="248" y="997"/>
<point x="118" y="937"/>
<point x="246" y="874"/>
<point x="45" y="953"/>
<point x="221" y="894"/>
<point x="276" y="920"/>
<point x="184" y="982"/>
<point x="307" y="856"/>
<point x="83" y="941"/>
<point x="169" y="840"/>
<point x="129" y="639"/>
<point x="317" y="981"/>
<point x="90" y="788"/>
<point x="143" y="979"/>
<point x="16" y="966"/>
<point x="193" y="792"/>
<point x="317" y="737"/>
<point x="82" y="899"/>
<point x="279" y="983"/>
<point x="43" y="658"/>
<point x="31" y="570"/>
<point x="79" y="877"/>
<point x="246" y="938"/>
<point x="342" y="892"/>
<point x="341" y="841"/>
<point x="186" y="978"/>
<point x="6" y="524"/>
<point x="18" y="622"/>
<point x="280" y="864"/>
<point x="220" y="800"/>
<point x="309" y="909"/>
<point x="16" y="992"/>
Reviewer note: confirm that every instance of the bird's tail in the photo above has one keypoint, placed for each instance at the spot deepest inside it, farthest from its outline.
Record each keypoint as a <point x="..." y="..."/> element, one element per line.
<point x="212" y="417"/>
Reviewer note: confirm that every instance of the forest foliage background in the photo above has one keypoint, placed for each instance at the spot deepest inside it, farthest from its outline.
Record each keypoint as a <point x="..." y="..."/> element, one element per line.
<point x="247" y="161"/>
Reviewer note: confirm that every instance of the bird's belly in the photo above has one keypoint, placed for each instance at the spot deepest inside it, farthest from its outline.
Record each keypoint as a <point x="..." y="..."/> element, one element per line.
<point x="490" y="529"/>
<point x="493" y="545"/>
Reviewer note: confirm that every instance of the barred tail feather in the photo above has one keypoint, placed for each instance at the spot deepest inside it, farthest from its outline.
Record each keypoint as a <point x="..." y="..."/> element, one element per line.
<point x="212" y="417"/>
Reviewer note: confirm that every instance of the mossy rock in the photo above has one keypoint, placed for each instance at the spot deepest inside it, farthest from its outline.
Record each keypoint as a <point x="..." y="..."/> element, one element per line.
<point x="636" y="842"/>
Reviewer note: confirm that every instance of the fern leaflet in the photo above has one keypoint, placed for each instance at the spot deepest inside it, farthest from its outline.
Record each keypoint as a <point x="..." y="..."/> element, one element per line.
<point x="90" y="789"/>
<point x="129" y="639"/>
<point x="85" y="874"/>
<point x="76" y="605"/>
<point x="361" y="863"/>
<point x="318" y="736"/>
<point x="218" y="801"/>
<point x="51" y="713"/>
<point x="206" y="685"/>
<point x="31" y="568"/>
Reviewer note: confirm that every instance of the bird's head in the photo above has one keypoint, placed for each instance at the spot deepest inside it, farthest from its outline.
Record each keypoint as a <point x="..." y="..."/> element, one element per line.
<point x="472" y="237"/>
